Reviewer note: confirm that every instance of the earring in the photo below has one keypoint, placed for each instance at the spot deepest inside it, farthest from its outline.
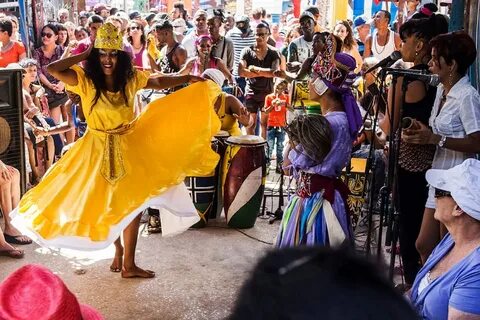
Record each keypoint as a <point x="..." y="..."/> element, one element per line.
<point x="416" y="53"/>
<point x="450" y="79"/>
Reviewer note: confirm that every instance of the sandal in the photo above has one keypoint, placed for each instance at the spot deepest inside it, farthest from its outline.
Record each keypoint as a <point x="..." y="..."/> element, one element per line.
<point x="14" y="253"/>
<point x="16" y="239"/>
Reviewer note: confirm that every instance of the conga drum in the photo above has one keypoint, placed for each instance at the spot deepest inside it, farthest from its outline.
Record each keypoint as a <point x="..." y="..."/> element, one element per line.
<point x="356" y="184"/>
<point x="220" y="146"/>
<point x="300" y="99"/>
<point x="203" y="189"/>
<point x="244" y="173"/>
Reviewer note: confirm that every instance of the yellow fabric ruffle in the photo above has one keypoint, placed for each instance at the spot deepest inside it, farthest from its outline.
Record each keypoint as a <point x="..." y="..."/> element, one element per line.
<point x="167" y="142"/>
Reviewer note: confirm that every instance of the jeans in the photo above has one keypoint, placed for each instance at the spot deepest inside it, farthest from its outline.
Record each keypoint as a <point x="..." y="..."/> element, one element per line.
<point x="277" y="133"/>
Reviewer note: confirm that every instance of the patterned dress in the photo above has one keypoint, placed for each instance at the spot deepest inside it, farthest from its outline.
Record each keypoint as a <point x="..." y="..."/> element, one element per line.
<point x="314" y="220"/>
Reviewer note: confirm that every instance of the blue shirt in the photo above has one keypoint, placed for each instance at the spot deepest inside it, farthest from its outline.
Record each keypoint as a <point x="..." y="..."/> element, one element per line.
<point x="458" y="288"/>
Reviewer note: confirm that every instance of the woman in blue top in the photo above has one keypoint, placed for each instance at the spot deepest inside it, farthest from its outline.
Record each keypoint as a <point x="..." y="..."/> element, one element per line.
<point x="448" y="285"/>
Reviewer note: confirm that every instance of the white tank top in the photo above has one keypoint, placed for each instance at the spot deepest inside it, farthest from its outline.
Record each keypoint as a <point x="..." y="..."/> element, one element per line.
<point x="381" y="52"/>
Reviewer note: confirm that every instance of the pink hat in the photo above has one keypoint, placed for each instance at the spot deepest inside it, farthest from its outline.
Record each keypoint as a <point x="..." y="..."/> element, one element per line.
<point x="34" y="292"/>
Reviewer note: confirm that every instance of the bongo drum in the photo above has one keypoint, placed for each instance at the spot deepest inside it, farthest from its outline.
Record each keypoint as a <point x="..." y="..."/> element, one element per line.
<point x="219" y="146"/>
<point x="244" y="173"/>
<point x="356" y="184"/>
<point x="300" y="99"/>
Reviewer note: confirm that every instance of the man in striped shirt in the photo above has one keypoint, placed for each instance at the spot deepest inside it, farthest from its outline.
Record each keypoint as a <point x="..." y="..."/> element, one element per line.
<point x="242" y="37"/>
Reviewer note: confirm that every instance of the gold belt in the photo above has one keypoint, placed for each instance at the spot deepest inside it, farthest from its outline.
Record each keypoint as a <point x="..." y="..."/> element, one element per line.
<point x="113" y="168"/>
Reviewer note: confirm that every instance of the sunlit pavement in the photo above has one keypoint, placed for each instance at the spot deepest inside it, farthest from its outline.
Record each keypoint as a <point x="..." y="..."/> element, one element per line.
<point x="198" y="273"/>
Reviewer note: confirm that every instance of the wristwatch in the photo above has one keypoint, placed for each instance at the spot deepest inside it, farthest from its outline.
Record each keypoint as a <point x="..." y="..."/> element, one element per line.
<point x="442" y="141"/>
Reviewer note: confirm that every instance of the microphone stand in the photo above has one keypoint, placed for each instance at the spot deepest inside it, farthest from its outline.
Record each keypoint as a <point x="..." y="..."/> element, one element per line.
<point x="390" y="206"/>
<point x="278" y="214"/>
<point x="371" y="167"/>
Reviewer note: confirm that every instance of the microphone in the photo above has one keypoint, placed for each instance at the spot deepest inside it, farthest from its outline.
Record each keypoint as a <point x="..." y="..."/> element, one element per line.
<point x="421" y="75"/>
<point x="388" y="61"/>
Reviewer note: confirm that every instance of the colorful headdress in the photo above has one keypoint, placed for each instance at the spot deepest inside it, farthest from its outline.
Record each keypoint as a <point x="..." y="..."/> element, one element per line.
<point x="336" y="70"/>
<point x="108" y="37"/>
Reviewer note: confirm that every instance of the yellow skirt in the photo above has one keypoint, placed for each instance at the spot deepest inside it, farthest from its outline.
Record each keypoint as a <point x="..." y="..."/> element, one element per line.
<point x="104" y="181"/>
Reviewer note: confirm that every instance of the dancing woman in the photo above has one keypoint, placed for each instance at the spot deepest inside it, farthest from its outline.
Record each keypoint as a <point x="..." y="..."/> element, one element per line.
<point x="123" y="164"/>
<point x="320" y="147"/>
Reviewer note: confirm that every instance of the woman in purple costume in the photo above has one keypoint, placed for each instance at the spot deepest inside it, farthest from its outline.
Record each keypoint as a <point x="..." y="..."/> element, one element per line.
<point x="320" y="147"/>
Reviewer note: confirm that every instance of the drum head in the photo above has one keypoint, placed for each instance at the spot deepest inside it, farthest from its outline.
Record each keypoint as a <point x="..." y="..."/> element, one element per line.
<point x="247" y="140"/>
<point x="222" y="133"/>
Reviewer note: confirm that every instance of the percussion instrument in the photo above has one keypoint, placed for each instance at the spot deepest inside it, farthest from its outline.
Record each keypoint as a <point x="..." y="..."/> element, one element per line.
<point x="203" y="190"/>
<point x="300" y="99"/>
<point x="219" y="147"/>
<point x="244" y="173"/>
<point x="356" y="184"/>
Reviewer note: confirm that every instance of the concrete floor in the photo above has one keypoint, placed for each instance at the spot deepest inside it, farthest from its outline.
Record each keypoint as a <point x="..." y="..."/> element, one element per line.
<point x="198" y="273"/>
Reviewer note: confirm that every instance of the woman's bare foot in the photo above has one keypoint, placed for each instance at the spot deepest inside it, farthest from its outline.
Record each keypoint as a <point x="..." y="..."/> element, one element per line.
<point x="137" y="272"/>
<point x="117" y="262"/>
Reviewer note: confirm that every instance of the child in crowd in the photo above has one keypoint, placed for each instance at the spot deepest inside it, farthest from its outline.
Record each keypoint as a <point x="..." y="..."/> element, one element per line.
<point x="276" y="105"/>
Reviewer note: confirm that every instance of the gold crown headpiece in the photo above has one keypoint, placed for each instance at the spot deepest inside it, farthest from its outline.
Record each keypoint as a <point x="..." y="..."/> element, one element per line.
<point x="108" y="37"/>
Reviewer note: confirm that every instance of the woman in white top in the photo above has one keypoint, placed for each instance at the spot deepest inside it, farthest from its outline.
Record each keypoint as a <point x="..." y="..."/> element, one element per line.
<point x="455" y="120"/>
<point x="344" y="31"/>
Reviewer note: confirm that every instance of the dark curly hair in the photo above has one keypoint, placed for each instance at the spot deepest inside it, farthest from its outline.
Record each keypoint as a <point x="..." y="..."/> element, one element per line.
<point x="313" y="132"/>
<point x="458" y="46"/>
<point x="123" y="73"/>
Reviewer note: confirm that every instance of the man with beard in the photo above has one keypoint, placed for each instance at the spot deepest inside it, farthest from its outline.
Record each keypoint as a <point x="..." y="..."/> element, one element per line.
<point x="258" y="64"/>
<point x="301" y="48"/>
<point x="222" y="47"/>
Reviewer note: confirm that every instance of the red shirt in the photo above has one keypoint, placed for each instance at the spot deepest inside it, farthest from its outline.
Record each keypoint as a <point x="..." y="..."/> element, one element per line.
<point x="12" y="55"/>
<point x="278" y="115"/>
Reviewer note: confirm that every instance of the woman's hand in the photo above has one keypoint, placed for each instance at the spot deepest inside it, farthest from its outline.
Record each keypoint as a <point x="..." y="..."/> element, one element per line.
<point x="243" y="117"/>
<point x="59" y="87"/>
<point x="39" y="131"/>
<point x="31" y="112"/>
<point x="423" y="135"/>
<point x="4" y="172"/>
<point x="40" y="92"/>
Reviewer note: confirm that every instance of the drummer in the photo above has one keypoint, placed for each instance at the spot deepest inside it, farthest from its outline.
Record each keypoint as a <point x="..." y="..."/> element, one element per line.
<point x="228" y="108"/>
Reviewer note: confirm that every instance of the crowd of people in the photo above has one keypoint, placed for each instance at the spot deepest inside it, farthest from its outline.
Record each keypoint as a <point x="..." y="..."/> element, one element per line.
<point x="95" y="72"/>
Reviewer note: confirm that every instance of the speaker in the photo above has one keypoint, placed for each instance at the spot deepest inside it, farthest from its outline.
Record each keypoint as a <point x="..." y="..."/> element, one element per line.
<point x="12" y="146"/>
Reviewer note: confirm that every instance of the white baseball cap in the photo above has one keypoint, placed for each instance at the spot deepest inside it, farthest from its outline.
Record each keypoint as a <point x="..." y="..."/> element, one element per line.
<point x="463" y="183"/>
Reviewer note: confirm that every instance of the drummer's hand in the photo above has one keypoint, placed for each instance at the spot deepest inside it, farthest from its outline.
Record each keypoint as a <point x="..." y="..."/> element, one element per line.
<point x="193" y="79"/>
<point x="423" y="135"/>
<point x="243" y="117"/>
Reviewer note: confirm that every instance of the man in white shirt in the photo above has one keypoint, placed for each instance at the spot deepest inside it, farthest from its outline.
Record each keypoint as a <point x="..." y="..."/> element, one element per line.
<point x="200" y="21"/>
<point x="301" y="48"/>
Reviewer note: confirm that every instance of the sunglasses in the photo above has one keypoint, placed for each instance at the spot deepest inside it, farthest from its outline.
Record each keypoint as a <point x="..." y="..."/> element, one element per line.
<point x="439" y="193"/>
<point x="134" y="28"/>
<point x="46" y="34"/>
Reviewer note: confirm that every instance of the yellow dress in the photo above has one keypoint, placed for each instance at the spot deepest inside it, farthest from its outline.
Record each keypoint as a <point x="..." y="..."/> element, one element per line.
<point x="123" y="165"/>
<point x="229" y="122"/>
